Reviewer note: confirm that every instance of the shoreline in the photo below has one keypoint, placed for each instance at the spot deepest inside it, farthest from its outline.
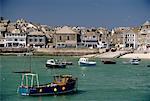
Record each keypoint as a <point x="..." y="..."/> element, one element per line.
<point x="81" y="52"/>
<point x="139" y="55"/>
<point x="94" y="55"/>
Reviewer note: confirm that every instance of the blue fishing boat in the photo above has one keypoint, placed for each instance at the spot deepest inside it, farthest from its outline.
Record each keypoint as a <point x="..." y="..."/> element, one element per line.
<point x="86" y="62"/>
<point x="62" y="84"/>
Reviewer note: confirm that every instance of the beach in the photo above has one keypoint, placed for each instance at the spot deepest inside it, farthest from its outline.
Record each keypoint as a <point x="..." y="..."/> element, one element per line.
<point x="119" y="54"/>
<point x="139" y="55"/>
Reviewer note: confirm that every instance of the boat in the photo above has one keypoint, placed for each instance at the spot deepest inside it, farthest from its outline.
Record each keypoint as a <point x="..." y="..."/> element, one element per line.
<point x="108" y="61"/>
<point x="67" y="62"/>
<point x="134" y="61"/>
<point x="62" y="84"/>
<point x="148" y="65"/>
<point x="86" y="62"/>
<point x="52" y="63"/>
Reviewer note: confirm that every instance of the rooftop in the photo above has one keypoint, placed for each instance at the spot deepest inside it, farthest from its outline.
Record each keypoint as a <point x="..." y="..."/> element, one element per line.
<point x="65" y="30"/>
<point x="146" y="23"/>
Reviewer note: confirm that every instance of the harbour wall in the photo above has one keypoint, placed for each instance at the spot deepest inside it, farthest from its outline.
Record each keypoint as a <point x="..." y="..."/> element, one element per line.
<point x="66" y="51"/>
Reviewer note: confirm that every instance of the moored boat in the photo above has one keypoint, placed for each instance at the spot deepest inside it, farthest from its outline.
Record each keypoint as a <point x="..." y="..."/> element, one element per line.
<point x="62" y="84"/>
<point x="108" y="61"/>
<point x="134" y="61"/>
<point x="86" y="62"/>
<point x="67" y="63"/>
<point x="52" y="63"/>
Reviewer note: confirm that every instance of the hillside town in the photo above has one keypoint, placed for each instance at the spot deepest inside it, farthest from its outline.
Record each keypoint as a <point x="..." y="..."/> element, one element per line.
<point x="22" y="34"/>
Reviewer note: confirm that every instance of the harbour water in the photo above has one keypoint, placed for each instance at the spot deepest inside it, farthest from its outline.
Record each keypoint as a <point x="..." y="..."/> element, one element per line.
<point x="115" y="82"/>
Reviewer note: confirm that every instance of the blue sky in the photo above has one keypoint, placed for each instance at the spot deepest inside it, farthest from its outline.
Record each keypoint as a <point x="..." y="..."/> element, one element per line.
<point x="89" y="13"/>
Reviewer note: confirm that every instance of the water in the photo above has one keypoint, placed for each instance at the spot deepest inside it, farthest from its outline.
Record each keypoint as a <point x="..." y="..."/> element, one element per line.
<point x="116" y="82"/>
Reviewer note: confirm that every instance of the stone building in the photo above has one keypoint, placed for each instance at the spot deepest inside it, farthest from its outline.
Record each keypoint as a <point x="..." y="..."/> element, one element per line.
<point x="36" y="39"/>
<point x="65" y="37"/>
<point x="144" y="36"/>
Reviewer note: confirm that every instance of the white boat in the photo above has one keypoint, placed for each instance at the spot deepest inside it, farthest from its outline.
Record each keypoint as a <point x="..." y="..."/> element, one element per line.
<point x="52" y="63"/>
<point x="86" y="62"/>
<point x="134" y="61"/>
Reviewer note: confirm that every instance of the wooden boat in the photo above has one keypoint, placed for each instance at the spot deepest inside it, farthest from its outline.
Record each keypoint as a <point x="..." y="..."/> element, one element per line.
<point x="62" y="84"/>
<point x="51" y="63"/>
<point x="86" y="62"/>
<point x="108" y="61"/>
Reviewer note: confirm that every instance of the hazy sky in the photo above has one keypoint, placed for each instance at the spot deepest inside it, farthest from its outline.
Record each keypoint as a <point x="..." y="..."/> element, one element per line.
<point x="96" y="13"/>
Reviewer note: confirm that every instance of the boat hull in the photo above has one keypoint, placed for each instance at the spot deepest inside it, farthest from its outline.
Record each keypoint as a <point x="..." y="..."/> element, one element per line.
<point x="47" y="90"/>
<point x="109" y="62"/>
<point x="87" y="64"/>
<point x="56" y="66"/>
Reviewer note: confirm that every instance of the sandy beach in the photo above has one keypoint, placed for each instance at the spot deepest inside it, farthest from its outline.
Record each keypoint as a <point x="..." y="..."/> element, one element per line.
<point x="139" y="55"/>
<point x="117" y="53"/>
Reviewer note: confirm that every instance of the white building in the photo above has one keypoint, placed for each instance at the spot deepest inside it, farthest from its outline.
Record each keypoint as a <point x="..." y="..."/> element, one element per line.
<point x="15" y="40"/>
<point x="130" y="39"/>
<point x="2" y="41"/>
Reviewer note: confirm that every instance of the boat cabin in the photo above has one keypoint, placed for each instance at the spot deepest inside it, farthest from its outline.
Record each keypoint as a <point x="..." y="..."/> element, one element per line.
<point x="84" y="59"/>
<point x="29" y="80"/>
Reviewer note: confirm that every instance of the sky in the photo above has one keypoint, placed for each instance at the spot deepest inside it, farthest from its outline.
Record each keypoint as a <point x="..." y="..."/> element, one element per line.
<point x="87" y="13"/>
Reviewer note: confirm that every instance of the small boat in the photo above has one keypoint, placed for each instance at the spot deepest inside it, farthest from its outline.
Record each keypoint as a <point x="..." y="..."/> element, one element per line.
<point x="134" y="61"/>
<point x="86" y="62"/>
<point x="51" y="63"/>
<point x="67" y="63"/>
<point x="62" y="84"/>
<point x="108" y="61"/>
<point x="137" y="58"/>
<point x="148" y="65"/>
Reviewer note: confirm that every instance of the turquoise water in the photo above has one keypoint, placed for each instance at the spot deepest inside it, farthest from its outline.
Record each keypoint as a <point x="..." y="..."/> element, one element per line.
<point x="117" y="82"/>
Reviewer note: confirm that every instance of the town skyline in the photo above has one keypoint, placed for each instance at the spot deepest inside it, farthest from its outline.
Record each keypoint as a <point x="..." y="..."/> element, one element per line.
<point x="97" y="13"/>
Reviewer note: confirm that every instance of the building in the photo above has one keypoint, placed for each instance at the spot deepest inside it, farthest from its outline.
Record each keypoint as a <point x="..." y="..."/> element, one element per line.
<point x="36" y="39"/>
<point x="104" y="40"/>
<point x="2" y="41"/>
<point x="96" y="38"/>
<point x="130" y="39"/>
<point x="144" y="36"/>
<point x="89" y="38"/>
<point x="65" y="37"/>
<point x="15" y="40"/>
<point x="117" y="36"/>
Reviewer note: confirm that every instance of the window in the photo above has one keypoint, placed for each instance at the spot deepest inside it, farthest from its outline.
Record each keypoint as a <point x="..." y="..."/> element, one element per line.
<point x="30" y="40"/>
<point x="60" y="38"/>
<point x="68" y="38"/>
<point x="94" y="36"/>
<point x="16" y="40"/>
<point x="40" y="40"/>
<point x="35" y="40"/>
